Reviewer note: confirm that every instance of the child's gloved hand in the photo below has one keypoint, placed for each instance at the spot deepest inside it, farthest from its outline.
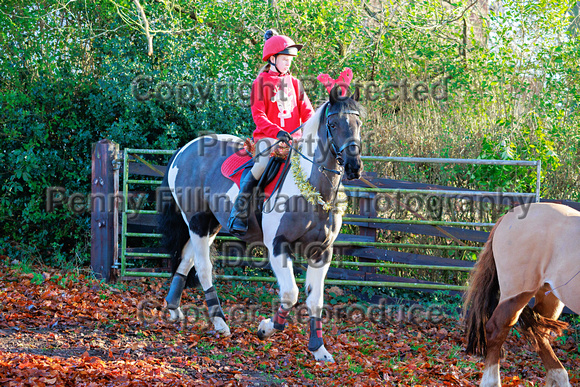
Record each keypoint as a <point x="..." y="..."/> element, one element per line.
<point x="284" y="136"/>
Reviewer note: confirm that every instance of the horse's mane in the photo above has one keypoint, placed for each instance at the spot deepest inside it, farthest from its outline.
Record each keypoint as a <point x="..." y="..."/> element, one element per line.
<point x="311" y="126"/>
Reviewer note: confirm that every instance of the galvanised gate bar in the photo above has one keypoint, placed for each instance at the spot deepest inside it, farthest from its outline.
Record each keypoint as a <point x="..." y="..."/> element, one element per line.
<point x="137" y="223"/>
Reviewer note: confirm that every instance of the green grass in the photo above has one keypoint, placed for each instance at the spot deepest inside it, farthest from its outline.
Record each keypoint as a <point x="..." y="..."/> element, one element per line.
<point x="205" y="346"/>
<point x="218" y="356"/>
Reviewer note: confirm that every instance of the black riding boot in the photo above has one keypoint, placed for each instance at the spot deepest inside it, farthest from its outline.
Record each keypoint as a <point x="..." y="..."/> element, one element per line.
<point x="238" y="221"/>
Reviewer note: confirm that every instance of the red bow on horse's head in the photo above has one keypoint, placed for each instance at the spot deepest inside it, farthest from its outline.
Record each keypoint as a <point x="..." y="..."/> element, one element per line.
<point x="343" y="80"/>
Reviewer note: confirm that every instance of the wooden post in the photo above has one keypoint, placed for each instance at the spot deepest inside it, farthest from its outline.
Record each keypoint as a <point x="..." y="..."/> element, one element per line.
<point x="367" y="209"/>
<point x="104" y="209"/>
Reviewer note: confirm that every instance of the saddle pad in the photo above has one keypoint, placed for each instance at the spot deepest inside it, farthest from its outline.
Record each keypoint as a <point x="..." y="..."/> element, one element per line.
<point x="235" y="161"/>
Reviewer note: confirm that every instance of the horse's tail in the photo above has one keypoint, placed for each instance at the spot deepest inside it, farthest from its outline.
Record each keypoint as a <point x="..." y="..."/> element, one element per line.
<point x="482" y="298"/>
<point x="171" y="225"/>
<point x="533" y="325"/>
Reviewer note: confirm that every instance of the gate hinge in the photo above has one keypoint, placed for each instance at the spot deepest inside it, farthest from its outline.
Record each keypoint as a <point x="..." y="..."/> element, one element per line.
<point x="117" y="164"/>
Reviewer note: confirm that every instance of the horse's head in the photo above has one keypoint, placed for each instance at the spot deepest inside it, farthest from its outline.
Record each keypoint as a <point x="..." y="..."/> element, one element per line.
<point x="343" y="129"/>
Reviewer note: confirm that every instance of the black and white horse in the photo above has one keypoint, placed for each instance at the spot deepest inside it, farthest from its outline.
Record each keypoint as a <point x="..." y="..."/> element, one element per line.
<point x="199" y="199"/>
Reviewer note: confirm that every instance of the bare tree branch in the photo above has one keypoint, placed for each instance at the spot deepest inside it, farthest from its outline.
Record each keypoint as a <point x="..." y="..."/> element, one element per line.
<point x="145" y="24"/>
<point x="179" y="9"/>
<point x="443" y="21"/>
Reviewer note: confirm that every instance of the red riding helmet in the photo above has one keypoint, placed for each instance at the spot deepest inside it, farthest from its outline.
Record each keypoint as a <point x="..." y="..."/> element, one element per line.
<point x="279" y="44"/>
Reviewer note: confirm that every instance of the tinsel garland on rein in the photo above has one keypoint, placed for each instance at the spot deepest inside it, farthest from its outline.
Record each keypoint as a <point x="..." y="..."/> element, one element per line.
<point x="311" y="194"/>
<point x="281" y="150"/>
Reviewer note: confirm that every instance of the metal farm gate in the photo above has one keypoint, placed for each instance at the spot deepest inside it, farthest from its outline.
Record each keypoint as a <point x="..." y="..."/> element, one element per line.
<point x="135" y="203"/>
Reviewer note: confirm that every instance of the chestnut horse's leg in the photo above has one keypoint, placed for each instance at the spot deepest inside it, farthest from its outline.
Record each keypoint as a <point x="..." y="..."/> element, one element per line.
<point x="504" y="317"/>
<point x="550" y="307"/>
<point x="315" y="275"/>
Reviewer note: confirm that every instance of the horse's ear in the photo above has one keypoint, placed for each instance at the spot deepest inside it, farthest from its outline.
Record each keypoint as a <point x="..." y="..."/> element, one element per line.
<point x="334" y="94"/>
<point x="356" y="94"/>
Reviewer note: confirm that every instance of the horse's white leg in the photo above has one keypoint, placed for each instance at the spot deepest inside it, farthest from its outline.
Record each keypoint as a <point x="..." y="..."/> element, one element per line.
<point x="315" y="275"/>
<point x="282" y="267"/>
<point x="557" y="377"/>
<point x="204" y="269"/>
<point x="178" y="283"/>
<point x="504" y="317"/>
<point x="490" y="376"/>
<point x="549" y="307"/>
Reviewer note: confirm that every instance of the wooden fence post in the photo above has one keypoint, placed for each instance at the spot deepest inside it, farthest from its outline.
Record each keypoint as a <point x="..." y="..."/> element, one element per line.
<point x="367" y="209"/>
<point x="104" y="209"/>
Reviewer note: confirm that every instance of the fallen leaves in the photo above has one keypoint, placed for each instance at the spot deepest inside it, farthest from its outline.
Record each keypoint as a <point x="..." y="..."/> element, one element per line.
<point x="59" y="330"/>
<point x="86" y="370"/>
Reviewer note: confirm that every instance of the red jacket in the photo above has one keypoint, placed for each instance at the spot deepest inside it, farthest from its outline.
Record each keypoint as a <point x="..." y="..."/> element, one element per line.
<point x="278" y="103"/>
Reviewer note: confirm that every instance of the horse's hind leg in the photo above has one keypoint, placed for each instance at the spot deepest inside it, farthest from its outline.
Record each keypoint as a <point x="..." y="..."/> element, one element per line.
<point x="550" y="308"/>
<point x="178" y="283"/>
<point x="204" y="269"/>
<point x="203" y="227"/>
<point x="504" y="317"/>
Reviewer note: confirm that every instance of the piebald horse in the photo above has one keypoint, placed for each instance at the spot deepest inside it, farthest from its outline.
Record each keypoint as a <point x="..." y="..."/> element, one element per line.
<point x="531" y="252"/>
<point x="198" y="200"/>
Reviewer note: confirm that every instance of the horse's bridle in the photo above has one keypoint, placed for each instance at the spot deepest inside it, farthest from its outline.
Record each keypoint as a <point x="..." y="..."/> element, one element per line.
<point x="337" y="153"/>
<point x="335" y="150"/>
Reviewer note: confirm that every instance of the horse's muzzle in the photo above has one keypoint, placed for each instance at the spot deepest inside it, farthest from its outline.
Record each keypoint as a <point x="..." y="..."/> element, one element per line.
<point x="353" y="172"/>
<point x="352" y="175"/>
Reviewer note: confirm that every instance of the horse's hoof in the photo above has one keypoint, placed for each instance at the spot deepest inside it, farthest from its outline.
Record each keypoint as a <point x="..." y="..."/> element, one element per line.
<point x="266" y="329"/>
<point x="175" y="315"/>
<point x="221" y="327"/>
<point x="321" y="354"/>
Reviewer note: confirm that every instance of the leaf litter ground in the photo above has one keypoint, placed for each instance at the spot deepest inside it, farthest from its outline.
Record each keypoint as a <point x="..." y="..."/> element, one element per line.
<point x="59" y="330"/>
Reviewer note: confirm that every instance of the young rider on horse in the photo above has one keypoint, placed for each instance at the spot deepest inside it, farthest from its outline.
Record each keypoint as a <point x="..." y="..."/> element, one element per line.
<point x="279" y="105"/>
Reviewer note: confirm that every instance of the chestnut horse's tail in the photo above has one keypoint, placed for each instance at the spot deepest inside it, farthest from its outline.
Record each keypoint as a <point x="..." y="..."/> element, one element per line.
<point x="482" y="298"/>
<point x="534" y="326"/>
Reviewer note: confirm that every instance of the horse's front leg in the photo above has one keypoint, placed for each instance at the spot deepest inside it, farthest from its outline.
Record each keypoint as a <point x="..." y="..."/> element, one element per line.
<point x="315" y="275"/>
<point x="280" y="260"/>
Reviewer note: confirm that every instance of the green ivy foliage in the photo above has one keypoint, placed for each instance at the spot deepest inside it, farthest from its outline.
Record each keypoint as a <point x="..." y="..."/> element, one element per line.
<point x="69" y="70"/>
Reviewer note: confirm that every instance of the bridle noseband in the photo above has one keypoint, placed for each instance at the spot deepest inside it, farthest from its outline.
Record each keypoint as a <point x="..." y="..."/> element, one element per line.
<point x="336" y="151"/>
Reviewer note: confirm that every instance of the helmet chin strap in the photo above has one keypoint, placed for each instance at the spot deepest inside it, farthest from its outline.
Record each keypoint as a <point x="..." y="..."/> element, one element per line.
<point x="274" y="64"/>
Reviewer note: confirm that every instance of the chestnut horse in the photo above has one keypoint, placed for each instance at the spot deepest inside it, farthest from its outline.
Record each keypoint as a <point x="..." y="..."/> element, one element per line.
<point x="533" y="253"/>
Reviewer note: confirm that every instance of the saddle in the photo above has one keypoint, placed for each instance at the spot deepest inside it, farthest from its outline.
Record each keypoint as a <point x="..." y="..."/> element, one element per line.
<point x="240" y="163"/>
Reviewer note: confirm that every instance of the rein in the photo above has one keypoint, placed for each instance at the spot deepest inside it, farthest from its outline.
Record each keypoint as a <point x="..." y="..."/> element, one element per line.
<point x="567" y="282"/>
<point x="412" y="211"/>
<point x="335" y="150"/>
